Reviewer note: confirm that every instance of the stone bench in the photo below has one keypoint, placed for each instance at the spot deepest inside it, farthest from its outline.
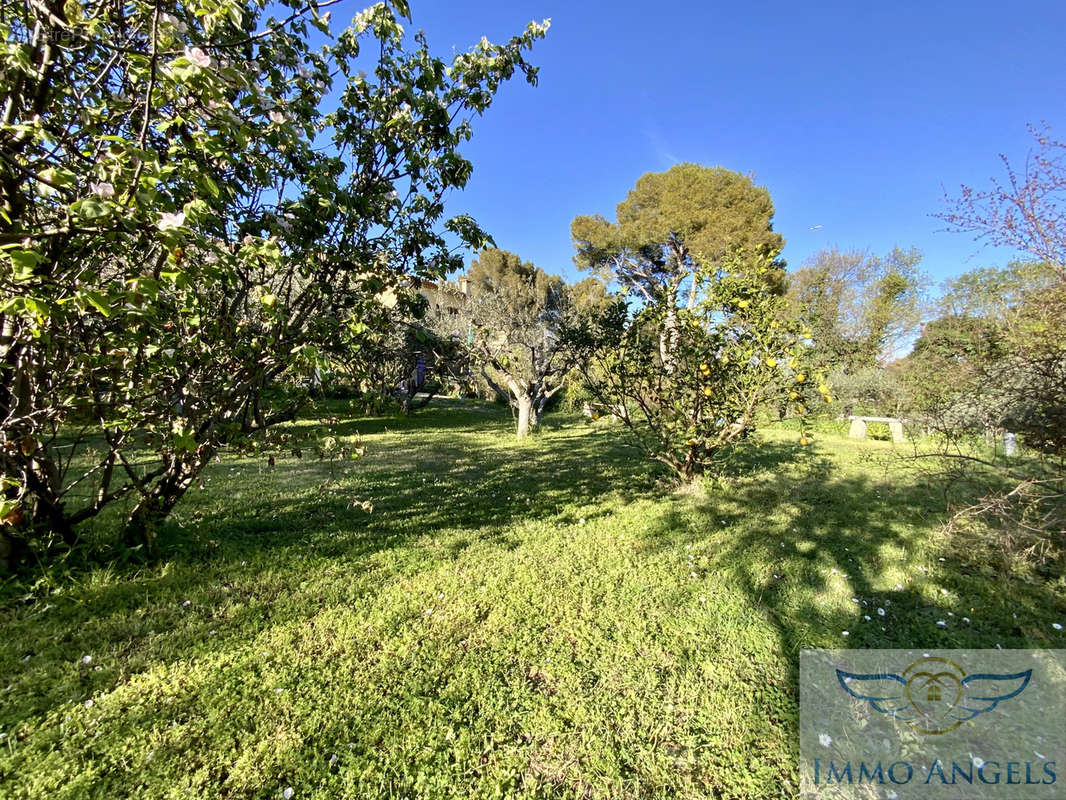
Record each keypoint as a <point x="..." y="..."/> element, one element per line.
<point x="858" y="427"/>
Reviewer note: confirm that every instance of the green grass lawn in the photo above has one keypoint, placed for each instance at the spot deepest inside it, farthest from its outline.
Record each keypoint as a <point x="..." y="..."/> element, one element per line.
<point x="535" y="620"/>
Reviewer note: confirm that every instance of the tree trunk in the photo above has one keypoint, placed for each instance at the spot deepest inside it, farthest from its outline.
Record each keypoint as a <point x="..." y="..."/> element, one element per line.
<point x="11" y="549"/>
<point x="156" y="505"/>
<point x="525" y="415"/>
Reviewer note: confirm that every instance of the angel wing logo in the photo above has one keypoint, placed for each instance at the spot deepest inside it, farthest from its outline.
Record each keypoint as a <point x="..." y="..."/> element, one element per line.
<point x="934" y="695"/>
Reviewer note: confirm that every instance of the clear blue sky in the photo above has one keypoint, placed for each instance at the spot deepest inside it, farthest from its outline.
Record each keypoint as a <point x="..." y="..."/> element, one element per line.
<point x="856" y="116"/>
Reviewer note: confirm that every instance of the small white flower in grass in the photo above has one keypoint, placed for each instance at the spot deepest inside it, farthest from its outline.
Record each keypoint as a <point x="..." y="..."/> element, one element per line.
<point x="693" y="574"/>
<point x="88" y="703"/>
<point x="824" y="739"/>
<point x="965" y="619"/>
<point x="880" y="612"/>
<point x="899" y="587"/>
<point x="333" y="759"/>
<point x="845" y="633"/>
<point x="580" y="521"/>
<point x="86" y="660"/>
<point x="102" y="189"/>
<point x="169" y="220"/>
<point x="277" y="117"/>
<point x="702" y="600"/>
<point x="941" y="623"/>
<point x="866" y="617"/>
<point x="198" y="57"/>
<point x="287" y="794"/>
<point x="1056" y="626"/>
<point x="186" y="604"/>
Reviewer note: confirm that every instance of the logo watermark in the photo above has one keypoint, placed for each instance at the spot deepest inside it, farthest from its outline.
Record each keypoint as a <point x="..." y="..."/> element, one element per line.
<point x="933" y="724"/>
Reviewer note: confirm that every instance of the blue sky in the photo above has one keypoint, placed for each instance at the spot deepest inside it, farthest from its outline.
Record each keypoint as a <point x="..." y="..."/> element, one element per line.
<point x="856" y="116"/>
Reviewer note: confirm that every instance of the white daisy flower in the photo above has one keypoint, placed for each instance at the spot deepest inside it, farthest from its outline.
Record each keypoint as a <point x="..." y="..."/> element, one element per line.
<point x="824" y="739"/>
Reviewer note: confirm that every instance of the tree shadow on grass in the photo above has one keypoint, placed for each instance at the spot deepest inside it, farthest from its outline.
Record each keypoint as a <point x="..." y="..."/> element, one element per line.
<point x="237" y="545"/>
<point x="831" y="552"/>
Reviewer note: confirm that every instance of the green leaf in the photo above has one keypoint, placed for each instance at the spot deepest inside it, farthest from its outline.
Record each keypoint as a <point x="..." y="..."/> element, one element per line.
<point x="25" y="262"/>
<point x="97" y="301"/>
<point x="91" y="208"/>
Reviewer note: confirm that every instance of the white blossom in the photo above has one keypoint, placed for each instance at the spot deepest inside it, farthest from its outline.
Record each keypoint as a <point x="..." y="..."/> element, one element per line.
<point x="198" y="57"/>
<point x="277" y="117"/>
<point x="171" y="220"/>
<point x="174" y="22"/>
<point x="824" y="739"/>
<point x="102" y="189"/>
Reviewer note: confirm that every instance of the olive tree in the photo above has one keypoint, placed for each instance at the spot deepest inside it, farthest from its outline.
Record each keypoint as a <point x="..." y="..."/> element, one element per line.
<point x="516" y="316"/>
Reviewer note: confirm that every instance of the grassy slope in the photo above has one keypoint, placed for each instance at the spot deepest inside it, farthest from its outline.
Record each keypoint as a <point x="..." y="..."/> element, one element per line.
<point x="537" y="620"/>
